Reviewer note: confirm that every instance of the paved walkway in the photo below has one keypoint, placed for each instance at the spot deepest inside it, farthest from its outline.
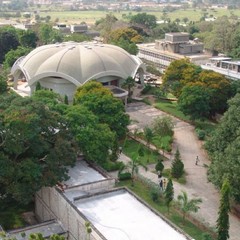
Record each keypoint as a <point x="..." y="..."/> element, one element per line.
<point x="189" y="146"/>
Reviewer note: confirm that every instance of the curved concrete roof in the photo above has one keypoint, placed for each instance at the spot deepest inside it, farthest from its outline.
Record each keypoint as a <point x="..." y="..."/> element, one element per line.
<point x="77" y="62"/>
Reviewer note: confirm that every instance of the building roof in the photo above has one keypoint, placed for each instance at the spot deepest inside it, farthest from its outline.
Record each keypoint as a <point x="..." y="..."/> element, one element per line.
<point x="77" y="62"/>
<point x="119" y="215"/>
<point x="46" y="229"/>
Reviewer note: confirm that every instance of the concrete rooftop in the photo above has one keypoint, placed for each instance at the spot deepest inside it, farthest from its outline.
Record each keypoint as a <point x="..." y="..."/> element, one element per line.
<point x="118" y="215"/>
<point x="82" y="173"/>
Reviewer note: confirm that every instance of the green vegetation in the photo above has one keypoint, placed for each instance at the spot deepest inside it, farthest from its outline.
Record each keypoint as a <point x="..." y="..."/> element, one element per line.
<point x="131" y="147"/>
<point x="144" y="191"/>
<point x="10" y="213"/>
<point x="171" y="108"/>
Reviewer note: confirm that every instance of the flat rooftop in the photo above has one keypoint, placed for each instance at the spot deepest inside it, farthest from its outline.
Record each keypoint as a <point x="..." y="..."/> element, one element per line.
<point x="46" y="229"/>
<point x="118" y="215"/>
<point x="83" y="173"/>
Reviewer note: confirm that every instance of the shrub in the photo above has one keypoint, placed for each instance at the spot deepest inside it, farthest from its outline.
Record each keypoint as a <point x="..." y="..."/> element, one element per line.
<point x="201" y="134"/>
<point x="177" y="169"/>
<point x="112" y="166"/>
<point x="154" y="195"/>
<point x="146" y="89"/>
<point x="124" y="176"/>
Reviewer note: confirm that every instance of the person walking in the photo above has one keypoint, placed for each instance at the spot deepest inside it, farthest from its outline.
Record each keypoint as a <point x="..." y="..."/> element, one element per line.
<point x="161" y="185"/>
<point x="164" y="184"/>
<point x="197" y="161"/>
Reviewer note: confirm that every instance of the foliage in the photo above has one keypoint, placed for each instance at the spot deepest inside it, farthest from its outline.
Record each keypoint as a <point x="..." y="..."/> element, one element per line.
<point x="159" y="166"/>
<point x="107" y="108"/>
<point x="223" y="218"/>
<point x="194" y="101"/>
<point x="8" y="41"/>
<point x="12" y="55"/>
<point x="76" y="37"/>
<point x="129" y="83"/>
<point x="112" y="166"/>
<point x="178" y="74"/>
<point x="154" y="195"/>
<point x="146" y="89"/>
<point x="124" y="176"/>
<point x="223" y="148"/>
<point x="36" y="147"/>
<point x="187" y="205"/>
<point x="201" y="134"/>
<point x="3" y="84"/>
<point x="147" y="20"/>
<point x="148" y="135"/>
<point x="27" y="38"/>
<point x="131" y="147"/>
<point x="169" y="193"/>
<point x="153" y="70"/>
<point x="134" y="165"/>
<point x="177" y="168"/>
<point x="95" y="145"/>
<point x="163" y="126"/>
<point x="46" y="34"/>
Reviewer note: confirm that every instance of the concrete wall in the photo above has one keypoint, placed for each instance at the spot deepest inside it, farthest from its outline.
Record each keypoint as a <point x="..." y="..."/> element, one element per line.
<point x="50" y="203"/>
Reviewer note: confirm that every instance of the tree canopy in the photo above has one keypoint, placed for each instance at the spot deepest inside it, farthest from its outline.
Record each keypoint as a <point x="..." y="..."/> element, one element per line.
<point x="100" y="101"/>
<point x="35" y="148"/>
<point x="223" y="147"/>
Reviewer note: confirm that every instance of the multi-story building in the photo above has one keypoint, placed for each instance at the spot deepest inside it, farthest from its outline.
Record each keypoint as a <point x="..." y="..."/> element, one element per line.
<point x="224" y="65"/>
<point x="175" y="46"/>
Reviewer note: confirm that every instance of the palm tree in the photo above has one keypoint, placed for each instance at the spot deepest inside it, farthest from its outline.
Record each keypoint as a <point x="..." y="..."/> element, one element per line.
<point x="187" y="205"/>
<point x="133" y="165"/>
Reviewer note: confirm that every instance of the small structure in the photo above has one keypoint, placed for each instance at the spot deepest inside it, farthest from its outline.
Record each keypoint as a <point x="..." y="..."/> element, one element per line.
<point x="175" y="46"/>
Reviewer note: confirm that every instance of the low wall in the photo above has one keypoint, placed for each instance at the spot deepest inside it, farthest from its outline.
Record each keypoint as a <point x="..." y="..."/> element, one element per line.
<point x="51" y="203"/>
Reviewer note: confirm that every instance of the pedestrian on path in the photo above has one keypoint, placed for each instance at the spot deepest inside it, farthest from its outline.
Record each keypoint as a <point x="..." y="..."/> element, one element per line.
<point x="164" y="184"/>
<point x="197" y="161"/>
<point x="120" y="149"/>
<point x="159" y="174"/>
<point x="161" y="185"/>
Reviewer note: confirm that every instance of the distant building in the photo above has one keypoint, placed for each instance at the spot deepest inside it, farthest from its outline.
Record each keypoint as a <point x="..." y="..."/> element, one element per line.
<point x="224" y="65"/>
<point x="174" y="46"/>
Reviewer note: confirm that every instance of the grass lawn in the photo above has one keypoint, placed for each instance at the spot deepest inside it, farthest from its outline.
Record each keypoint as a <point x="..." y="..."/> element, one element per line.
<point x="144" y="192"/>
<point x="171" y="108"/>
<point x="131" y="147"/>
<point x="10" y="214"/>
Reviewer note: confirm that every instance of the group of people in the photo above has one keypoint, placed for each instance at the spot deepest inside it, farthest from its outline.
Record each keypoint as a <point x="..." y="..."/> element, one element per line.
<point x="162" y="182"/>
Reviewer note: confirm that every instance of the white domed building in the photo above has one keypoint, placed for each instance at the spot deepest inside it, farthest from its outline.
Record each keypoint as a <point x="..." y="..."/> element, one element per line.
<point x="63" y="67"/>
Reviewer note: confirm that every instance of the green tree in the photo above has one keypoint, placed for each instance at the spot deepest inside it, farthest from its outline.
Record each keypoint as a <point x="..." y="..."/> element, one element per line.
<point x="36" y="147"/>
<point x="14" y="54"/>
<point x="194" y="101"/>
<point x="129" y="83"/>
<point x="46" y="34"/>
<point x="8" y="41"/>
<point x="159" y="166"/>
<point x="66" y="99"/>
<point x="187" y="205"/>
<point x="169" y="194"/>
<point x="93" y="138"/>
<point x="38" y="86"/>
<point x="27" y="39"/>
<point x="163" y="126"/>
<point x="178" y="74"/>
<point x="3" y="84"/>
<point x="223" y="218"/>
<point x="224" y="149"/>
<point x="76" y="37"/>
<point x="147" y="20"/>
<point x="104" y="105"/>
<point x="177" y="168"/>
<point x="148" y="135"/>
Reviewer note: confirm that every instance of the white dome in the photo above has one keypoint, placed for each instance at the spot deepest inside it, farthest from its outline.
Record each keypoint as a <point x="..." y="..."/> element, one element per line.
<point x="77" y="62"/>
